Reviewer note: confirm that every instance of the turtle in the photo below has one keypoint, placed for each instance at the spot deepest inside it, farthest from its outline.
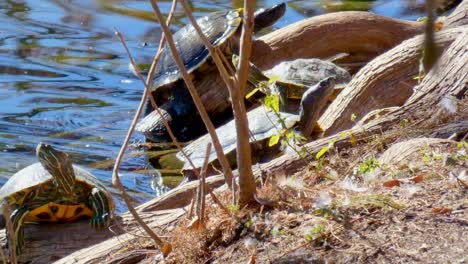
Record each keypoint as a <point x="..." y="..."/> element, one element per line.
<point x="291" y="78"/>
<point x="222" y="28"/>
<point x="55" y="190"/>
<point x="264" y="123"/>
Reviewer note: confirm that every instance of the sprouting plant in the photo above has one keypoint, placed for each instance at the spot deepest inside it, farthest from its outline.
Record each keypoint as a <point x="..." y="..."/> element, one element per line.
<point x="317" y="233"/>
<point x="233" y="208"/>
<point x="287" y="136"/>
<point x="368" y="165"/>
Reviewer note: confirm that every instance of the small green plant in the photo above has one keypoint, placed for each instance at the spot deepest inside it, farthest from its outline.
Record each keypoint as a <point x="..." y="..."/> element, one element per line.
<point x="317" y="233"/>
<point x="233" y="208"/>
<point x="286" y="136"/>
<point x="428" y="156"/>
<point x="368" y="165"/>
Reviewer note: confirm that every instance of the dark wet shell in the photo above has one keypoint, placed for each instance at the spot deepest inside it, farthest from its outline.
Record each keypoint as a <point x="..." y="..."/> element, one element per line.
<point x="35" y="175"/>
<point x="217" y="27"/>
<point x="262" y="122"/>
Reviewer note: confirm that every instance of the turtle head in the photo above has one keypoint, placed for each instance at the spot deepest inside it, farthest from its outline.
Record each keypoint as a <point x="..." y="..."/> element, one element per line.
<point x="58" y="164"/>
<point x="313" y="102"/>
<point x="266" y="17"/>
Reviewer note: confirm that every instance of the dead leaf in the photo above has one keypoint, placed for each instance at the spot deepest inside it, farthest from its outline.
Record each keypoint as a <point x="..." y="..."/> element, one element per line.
<point x="417" y="179"/>
<point x="166" y="249"/>
<point x="252" y="259"/>
<point x="441" y="210"/>
<point x="391" y="183"/>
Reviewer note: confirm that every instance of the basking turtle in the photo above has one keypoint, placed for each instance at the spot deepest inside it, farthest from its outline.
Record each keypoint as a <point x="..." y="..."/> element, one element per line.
<point x="54" y="190"/>
<point x="263" y="124"/>
<point x="292" y="78"/>
<point x="170" y="93"/>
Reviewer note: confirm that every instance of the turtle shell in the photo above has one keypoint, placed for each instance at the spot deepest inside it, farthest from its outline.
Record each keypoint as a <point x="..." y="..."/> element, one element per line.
<point x="263" y="123"/>
<point x="217" y="27"/>
<point x="307" y="72"/>
<point x="34" y="175"/>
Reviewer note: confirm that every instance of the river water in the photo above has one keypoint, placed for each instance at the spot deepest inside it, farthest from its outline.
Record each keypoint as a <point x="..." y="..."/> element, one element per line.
<point x="64" y="77"/>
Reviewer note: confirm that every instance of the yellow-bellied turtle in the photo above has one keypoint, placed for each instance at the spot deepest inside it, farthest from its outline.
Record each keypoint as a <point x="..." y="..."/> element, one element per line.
<point x="263" y="124"/>
<point x="170" y="92"/>
<point x="54" y="190"/>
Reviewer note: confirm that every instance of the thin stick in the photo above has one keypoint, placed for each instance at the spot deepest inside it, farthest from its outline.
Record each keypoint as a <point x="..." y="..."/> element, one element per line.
<point x="201" y="216"/>
<point x="152" y="100"/>
<point x="115" y="175"/>
<point x="196" y="98"/>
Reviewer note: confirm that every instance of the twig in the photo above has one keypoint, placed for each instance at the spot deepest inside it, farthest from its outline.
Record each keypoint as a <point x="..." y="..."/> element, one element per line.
<point x="193" y="92"/>
<point x="115" y="175"/>
<point x="152" y="100"/>
<point x="201" y="215"/>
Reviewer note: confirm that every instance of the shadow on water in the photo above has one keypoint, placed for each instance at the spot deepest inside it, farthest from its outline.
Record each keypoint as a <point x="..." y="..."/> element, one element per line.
<point x="64" y="77"/>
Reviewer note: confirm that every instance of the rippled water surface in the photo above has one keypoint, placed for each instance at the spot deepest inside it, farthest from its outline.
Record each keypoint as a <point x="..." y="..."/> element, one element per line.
<point x="64" y="78"/>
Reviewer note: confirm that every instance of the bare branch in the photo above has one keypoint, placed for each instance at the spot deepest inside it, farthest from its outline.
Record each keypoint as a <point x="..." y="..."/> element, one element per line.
<point x="196" y="98"/>
<point x="247" y="185"/>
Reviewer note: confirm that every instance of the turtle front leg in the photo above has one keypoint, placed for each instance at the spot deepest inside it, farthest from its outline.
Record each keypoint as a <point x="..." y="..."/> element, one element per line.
<point x="102" y="212"/>
<point x="15" y="230"/>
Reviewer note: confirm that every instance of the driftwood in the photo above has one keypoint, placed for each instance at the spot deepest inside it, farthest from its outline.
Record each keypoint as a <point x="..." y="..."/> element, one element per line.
<point x="458" y="17"/>
<point x="400" y="152"/>
<point x="384" y="82"/>
<point x="47" y="244"/>
<point x="363" y="35"/>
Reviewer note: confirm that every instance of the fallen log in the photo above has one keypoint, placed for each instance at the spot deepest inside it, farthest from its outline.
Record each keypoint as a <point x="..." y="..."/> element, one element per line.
<point x="458" y="17"/>
<point x="362" y="35"/>
<point x="384" y="82"/>
<point x="400" y="152"/>
<point x="52" y="242"/>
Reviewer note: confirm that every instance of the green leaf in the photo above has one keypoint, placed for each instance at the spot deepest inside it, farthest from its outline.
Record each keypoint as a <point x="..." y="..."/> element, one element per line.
<point x="272" y="102"/>
<point x="254" y="91"/>
<point x="353" y="117"/>
<point x="273" y="140"/>
<point x="321" y="152"/>
<point x="309" y="237"/>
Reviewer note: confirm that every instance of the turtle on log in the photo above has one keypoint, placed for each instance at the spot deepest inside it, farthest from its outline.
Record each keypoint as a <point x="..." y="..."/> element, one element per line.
<point x="170" y="92"/>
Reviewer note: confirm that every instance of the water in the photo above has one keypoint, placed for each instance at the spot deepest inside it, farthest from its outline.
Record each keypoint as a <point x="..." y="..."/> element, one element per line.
<point x="64" y="77"/>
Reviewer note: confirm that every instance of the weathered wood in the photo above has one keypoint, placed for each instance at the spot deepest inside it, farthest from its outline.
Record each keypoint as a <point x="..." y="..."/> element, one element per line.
<point x="401" y="151"/>
<point x="458" y="17"/>
<point x="49" y="243"/>
<point x="178" y="197"/>
<point x="363" y="35"/>
<point x="452" y="80"/>
<point x="386" y="81"/>
<point x="121" y="244"/>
